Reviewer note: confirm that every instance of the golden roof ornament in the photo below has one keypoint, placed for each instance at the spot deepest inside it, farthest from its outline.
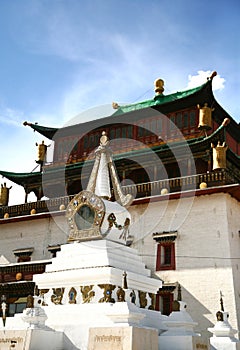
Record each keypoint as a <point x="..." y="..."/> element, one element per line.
<point x="159" y="83"/>
<point x="115" y="105"/>
<point x="205" y="117"/>
<point x="219" y="155"/>
<point x="4" y="194"/>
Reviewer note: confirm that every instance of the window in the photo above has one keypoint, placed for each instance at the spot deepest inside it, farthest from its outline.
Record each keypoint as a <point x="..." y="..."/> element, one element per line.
<point x="185" y="120"/>
<point x="165" y="250"/>
<point x="159" y="126"/>
<point x="179" y="120"/>
<point x="165" y="256"/>
<point x="192" y="118"/>
<point x="164" y="302"/>
<point x="172" y="122"/>
<point x="23" y="255"/>
<point x="54" y="249"/>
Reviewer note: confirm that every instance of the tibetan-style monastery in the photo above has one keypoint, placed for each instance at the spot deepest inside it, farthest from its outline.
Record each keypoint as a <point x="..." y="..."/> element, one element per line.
<point x="173" y="163"/>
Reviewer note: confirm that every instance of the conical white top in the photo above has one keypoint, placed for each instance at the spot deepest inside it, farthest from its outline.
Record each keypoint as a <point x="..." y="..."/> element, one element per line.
<point x="103" y="169"/>
<point x="102" y="187"/>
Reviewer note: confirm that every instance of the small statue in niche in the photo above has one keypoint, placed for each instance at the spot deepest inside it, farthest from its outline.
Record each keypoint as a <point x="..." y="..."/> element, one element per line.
<point x="133" y="297"/>
<point x="72" y="296"/>
<point x="57" y="296"/>
<point x="30" y="302"/>
<point x="142" y="299"/>
<point x="108" y="289"/>
<point x="120" y="295"/>
<point x="219" y="316"/>
<point x="219" y="155"/>
<point x="41" y="293"/>
<point x="153" y="300"/>
<point x="87" y="293"/>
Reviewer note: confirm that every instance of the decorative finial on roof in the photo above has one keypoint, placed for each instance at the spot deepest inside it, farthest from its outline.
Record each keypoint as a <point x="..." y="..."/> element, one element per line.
<point x="124" y="284"/>
<point x="115" y="105"/>
<point x="104" y="140"/>
<point x="179" y="295"/>
<point x="221" y="301"/>
<point x="27" y="123"/>
<point x="159" y="83"/>
<point x="214" y="73"/>
<point x="225" y="122"/>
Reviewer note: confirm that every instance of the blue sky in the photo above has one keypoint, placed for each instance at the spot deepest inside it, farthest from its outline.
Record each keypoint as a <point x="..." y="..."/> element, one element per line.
<point x="61" y="57"/>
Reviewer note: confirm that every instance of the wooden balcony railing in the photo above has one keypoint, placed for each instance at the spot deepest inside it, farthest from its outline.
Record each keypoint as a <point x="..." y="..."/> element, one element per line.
<point x="215" y="178"/>
<point x="184" y="183"/>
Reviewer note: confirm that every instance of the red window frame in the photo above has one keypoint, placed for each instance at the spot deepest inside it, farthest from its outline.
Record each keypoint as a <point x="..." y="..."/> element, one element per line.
<point x="165" y="256"/>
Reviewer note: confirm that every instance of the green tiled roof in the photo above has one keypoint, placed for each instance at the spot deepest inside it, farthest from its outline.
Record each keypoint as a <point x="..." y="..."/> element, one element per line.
<point x="158" y="100"/>
<point x="27" y="178"/>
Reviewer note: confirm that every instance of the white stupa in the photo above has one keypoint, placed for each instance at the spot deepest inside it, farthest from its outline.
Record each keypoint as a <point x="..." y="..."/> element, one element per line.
<point x="97" y="293"/>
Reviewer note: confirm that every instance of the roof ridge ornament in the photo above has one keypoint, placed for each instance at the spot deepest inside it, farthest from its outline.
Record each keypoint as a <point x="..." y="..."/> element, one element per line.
<point x="159" y="83"/>
<point x="213" y="74"/>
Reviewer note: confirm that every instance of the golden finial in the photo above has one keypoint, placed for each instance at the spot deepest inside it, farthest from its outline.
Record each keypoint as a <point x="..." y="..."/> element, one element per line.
<point x="159" y="83"/>
<point x="205" y="117"/>
<point x="219" y="155"/>
<point x="115" y="105"/>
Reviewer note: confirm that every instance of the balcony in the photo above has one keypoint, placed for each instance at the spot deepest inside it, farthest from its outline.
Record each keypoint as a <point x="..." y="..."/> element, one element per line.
<point x="178" y="184"/>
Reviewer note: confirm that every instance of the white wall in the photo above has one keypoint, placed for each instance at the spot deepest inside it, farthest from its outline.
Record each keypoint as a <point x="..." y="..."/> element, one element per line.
<point x="207" y="248"/>
<point x="207" y="242"/>
<point x="37" y="233"/>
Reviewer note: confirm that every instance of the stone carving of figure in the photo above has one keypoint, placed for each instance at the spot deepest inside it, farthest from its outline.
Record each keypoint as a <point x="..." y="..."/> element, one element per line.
<point x="4" y="194"/>
<point x="219" y="315"/>
<point x="142" y="299"/>
<point x="219" y="155"/>
<point x="87" y="293"/>
<point x="205" y="117"/>
<point x="107" y="292"/>
<point x="133" y="297"/>
<point x="120" y="295"/>
<point x="30" y="301"/>
<point x="57" y="296"/>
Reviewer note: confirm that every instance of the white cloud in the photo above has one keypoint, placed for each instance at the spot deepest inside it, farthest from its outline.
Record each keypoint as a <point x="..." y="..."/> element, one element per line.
<point x="201" y="78"/>
<point x="9" y="116"/>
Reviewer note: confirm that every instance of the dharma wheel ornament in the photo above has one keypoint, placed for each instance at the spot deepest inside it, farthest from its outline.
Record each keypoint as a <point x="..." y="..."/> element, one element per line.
<point x="205" y="117"/>
<point x="219" y="155"/>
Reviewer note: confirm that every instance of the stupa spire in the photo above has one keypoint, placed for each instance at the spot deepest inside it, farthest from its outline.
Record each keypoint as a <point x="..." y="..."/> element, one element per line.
<point x="104" y="169"/>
